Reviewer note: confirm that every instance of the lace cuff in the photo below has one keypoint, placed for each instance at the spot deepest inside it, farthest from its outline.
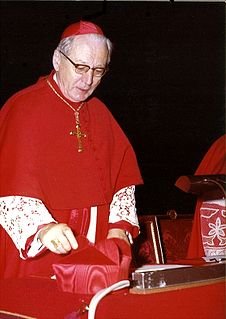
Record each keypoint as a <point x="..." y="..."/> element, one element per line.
<point x="21" y="216"/>
<point x="123" y="208"/>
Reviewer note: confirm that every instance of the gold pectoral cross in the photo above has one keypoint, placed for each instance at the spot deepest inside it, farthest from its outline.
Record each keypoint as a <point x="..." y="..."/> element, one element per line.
<point x="79" y="136"/>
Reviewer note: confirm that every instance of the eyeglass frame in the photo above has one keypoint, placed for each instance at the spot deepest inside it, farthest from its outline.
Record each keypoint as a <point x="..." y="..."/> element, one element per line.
<point x="85" y="65"/>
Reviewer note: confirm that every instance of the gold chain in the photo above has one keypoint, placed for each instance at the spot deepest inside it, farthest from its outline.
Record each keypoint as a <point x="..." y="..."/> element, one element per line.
<point x="66" y="102"/>
<point x="78" y="132"/>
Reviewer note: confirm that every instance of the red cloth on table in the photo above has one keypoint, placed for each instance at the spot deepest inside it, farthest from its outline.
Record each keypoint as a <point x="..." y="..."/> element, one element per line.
<point x="41" y="299"/>
<point x="39" y="159"/>
<point x="212" y="163"/>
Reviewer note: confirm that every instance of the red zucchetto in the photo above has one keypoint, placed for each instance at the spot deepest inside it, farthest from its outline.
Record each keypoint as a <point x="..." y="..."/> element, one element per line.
<point x="82" y="27"/>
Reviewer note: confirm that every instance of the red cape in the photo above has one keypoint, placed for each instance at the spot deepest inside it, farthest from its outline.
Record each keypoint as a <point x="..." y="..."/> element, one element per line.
<point x="39" y="158"/>
<point x="212" y="163"/>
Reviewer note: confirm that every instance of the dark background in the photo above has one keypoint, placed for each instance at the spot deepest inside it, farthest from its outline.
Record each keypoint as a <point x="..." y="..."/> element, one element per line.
<point x="165" y="87"/>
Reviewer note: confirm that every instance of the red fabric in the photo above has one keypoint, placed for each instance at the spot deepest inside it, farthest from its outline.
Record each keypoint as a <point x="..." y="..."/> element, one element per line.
<point x="39" y="159"/>
<point x="41" y="299"/>
<point x="175" y="238"/>
<point x="12" y="266"/>
<point x="175" y="235"/>
<point x="82" y="27"/>
<point x="41" y="265"/>
<point x="93" y="267"/>
<point x="212" y="163"/>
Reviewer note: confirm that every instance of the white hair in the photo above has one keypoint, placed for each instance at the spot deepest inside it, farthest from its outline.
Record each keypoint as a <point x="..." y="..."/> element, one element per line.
<point x="66" y="44"/>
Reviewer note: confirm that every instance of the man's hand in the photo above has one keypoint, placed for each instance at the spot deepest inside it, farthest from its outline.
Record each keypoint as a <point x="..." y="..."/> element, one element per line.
<point x="118" y="233"/>
<point x="58" y="238"/>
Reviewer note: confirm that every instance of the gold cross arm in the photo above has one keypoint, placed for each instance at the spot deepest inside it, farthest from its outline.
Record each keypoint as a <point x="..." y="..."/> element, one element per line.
<point x="79" y="136"/>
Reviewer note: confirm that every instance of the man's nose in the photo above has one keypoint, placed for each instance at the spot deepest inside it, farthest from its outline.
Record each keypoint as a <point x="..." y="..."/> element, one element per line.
<point x="88" y="76"/>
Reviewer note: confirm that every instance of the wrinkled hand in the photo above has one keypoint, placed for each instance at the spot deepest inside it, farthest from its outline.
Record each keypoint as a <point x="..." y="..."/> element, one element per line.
<point x="58" y="238"/>
<point x="118" y="233"/>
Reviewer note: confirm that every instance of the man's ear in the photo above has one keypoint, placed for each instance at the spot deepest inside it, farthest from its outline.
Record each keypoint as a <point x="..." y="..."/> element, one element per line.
<point x="56" y="60"/>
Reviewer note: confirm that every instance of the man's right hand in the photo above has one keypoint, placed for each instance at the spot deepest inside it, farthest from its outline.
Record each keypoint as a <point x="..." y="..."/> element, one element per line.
<point x="58" y="238"/>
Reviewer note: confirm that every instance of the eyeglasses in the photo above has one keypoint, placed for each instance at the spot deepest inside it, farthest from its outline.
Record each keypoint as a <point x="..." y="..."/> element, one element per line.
<point x="83" y="68"/>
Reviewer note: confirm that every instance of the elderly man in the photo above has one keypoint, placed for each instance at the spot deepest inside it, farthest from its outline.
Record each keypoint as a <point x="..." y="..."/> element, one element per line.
<point x="67" y="169"/>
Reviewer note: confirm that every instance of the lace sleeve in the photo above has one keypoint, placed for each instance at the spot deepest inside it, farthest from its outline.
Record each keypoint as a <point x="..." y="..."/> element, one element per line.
<point x="123" y="208"/>
<point x="21" y="216"/>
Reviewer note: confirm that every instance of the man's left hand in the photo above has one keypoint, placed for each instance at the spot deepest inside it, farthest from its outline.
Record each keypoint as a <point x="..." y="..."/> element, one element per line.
<point x="118" y="233"/>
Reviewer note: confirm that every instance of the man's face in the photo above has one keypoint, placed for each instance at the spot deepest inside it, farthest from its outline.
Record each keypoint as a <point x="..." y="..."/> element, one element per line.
<point x="78" y="87"/>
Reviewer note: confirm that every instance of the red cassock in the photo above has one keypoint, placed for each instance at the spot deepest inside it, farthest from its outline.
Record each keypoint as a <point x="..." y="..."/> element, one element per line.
<point x="212" y="163"/>
<point x="40" y="159"/>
